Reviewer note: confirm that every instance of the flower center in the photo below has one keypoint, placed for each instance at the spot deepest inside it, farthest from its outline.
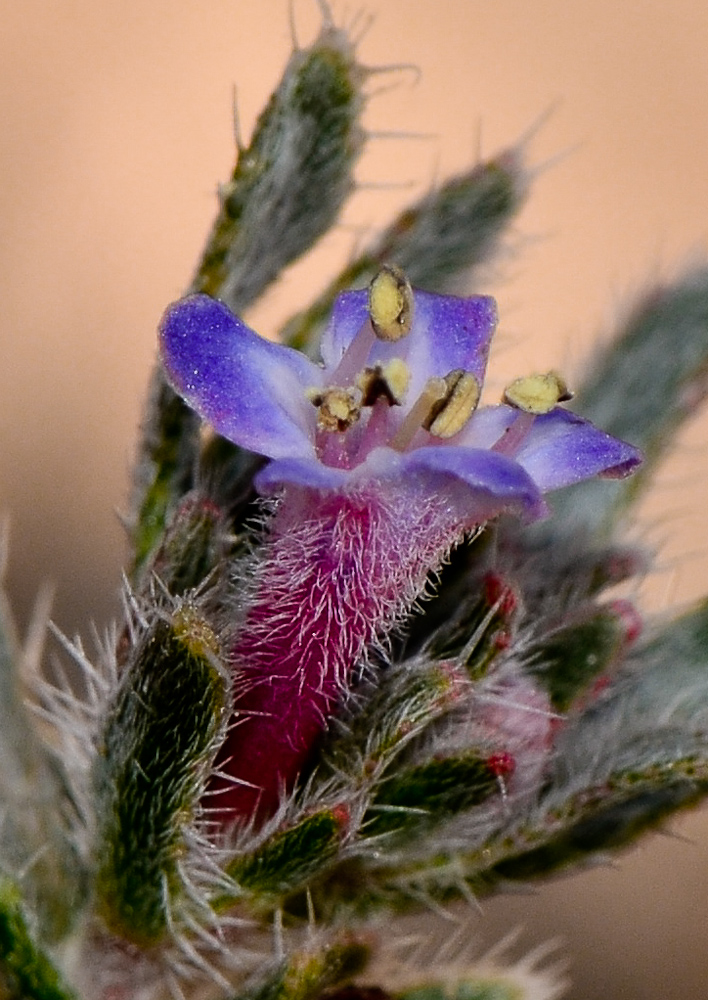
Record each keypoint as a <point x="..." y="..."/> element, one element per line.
<point x="356" y="405"/>
<point x="389" y="382"/>
<point x="337" y="408"/>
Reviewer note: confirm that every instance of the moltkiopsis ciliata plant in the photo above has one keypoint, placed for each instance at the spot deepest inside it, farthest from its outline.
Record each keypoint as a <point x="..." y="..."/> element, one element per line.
<point x="372" y="660"/>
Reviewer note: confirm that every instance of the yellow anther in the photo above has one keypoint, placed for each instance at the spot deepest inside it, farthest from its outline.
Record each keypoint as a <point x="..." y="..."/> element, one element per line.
<point x="450" y="414"/>
<point x="337" y="409"/>
<point x="390" y="303"/>
<point x="389" y="381"/>
<point x="537" y="394"/>
<point x="398" y="377"/>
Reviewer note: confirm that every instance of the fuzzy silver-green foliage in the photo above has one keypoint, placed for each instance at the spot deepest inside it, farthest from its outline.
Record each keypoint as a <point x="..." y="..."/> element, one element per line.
<point x="26" y="971"/>
<point x="642" y="386"/>
<point x="38" y="813"/>
<point x="112" y="875"/>
<point x="159" y="736"/>
<point x="289" y="184"/>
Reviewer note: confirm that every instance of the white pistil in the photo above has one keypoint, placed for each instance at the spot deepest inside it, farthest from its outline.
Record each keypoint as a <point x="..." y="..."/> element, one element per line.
<point x="376" y="432"/>
<point x="514" y="435"/>
<point x="434" y="391"/>
<point x="355" y="356"/>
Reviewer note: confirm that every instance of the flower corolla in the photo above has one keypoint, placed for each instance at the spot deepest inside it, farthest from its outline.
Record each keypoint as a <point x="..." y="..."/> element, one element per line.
<point x="395" y="396"/>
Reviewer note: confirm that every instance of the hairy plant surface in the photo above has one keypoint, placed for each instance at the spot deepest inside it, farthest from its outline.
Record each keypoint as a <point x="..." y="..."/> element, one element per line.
<point x="372" y="660"/>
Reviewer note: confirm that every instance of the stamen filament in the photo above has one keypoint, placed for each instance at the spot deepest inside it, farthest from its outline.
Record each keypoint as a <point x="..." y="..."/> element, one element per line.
<point x="513" y="437"/>
<point x="376" y="432"/>
<point x="355" y="357"/>
<point x="434" y="390"/>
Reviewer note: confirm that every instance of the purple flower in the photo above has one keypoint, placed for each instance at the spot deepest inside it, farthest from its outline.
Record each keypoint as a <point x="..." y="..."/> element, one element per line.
<point x="383" y="460"/>
<point x="367" y="412"/>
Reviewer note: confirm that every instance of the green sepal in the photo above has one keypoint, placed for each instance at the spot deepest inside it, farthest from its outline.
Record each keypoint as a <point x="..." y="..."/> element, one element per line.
<point x="193" y="546"/>
<point x="644" y="384"/>
<point x="437" y="241"/>
<point x="567" y="829"/>
<point x="26" y="971"/>
<point x="430" y="793"/>
<point x="391" y="711"/>
<point x="309" y="974"/>
<point x="479" y="628"/>
<point x="566" y="662"/>
<point x="484" y="988"/>
<point x="158" y="742"/>
<point x="621" y="767"/>
<point x="290" y="183"/>
<point x="288" y="858"/>
<point x="604" y="818"/>
<point x="165" y="469"/>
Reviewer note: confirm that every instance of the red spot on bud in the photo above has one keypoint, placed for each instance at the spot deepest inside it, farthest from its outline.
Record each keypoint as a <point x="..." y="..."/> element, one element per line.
<point x="498" y="594"/>
<point x="341" y="816"/>
<point x="620" y="564"/>
<point x="630" y="618"/>
<point x="502" y="639"/>
<point x="600" y="685"/>
<point x="457" y="679"/>
<point x="194" y="505"/>
<point x="556" y="724"/>
<point x="501" y="764"/>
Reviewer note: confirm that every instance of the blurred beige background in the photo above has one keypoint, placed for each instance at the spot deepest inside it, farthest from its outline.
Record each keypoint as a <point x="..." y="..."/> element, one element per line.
<point x="116" y="125"/>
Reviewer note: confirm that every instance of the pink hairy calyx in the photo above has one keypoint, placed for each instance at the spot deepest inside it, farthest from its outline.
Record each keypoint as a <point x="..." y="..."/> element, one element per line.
<point x="336" y="573"/>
